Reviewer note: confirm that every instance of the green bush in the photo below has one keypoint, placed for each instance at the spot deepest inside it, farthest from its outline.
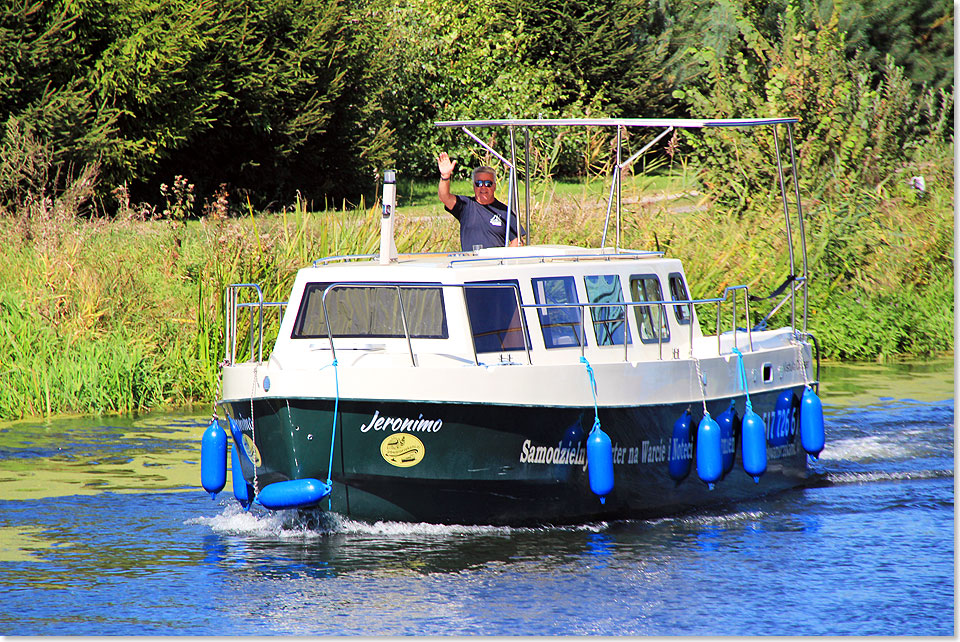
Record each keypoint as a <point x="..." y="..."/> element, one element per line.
<point x="855" y="129"/>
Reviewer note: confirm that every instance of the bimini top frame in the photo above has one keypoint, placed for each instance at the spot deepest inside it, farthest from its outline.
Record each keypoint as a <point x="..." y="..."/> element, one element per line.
<point x="667" y="125"/>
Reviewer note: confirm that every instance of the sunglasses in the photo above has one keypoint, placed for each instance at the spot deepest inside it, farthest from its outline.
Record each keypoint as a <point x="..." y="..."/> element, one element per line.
<point x="483" y="183"/>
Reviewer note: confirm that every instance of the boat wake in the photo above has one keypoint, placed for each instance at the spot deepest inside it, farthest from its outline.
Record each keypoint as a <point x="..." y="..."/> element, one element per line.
<point x="866" y="477"/>
<point x="907" y="445"/>
<point x="281" y="524"/>
<point x="872" y="448"/>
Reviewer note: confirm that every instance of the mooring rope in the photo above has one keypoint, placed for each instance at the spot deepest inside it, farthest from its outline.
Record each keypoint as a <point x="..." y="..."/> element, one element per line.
<point x="743" y="377"/>
<point x="593" y="389"/>
<point x="803" y="363"/>
<point x="216" y="394"/>
<point x="333" y="432"/>
<point x="253" y="432"/>
<point x="703" y="390"/>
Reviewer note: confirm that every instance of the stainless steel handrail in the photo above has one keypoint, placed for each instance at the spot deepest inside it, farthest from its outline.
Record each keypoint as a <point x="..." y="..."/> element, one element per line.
<point x="232" y="307"/>
<point x="543" y="258"/>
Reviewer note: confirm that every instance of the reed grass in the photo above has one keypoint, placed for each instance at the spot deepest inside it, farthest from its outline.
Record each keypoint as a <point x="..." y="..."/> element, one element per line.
<point x="125" y="315"/>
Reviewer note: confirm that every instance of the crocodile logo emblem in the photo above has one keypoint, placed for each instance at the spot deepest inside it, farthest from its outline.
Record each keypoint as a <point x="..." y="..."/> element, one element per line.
<point x="402" y="450"/>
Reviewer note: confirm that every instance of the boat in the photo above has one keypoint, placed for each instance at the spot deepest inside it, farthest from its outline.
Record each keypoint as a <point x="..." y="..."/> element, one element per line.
<point x="530" y="385"/>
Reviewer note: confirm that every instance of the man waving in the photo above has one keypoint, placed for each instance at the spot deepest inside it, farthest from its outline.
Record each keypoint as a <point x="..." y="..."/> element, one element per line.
<point x="483" y="219"/>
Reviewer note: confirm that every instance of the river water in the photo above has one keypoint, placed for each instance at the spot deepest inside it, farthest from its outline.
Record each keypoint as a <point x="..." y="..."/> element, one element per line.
<point x="105" y="531"/>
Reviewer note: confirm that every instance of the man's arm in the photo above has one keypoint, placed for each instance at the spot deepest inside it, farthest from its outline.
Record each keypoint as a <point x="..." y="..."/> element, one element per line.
<point x="445" y="165"/>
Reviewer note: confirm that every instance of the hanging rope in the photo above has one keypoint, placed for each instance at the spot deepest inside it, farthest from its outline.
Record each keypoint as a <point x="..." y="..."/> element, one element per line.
<point x="703" y="392"/>
<point x="216" y="394"/>
<point x="253" y="430"/>
<point x="333" y="432"/>
<point x="803" y="363"/>
<point x="743" y="377"/>
<point x="593" y="389"/>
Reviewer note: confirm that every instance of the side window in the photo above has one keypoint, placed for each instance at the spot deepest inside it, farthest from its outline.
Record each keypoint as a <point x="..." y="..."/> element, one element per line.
<point x="678" y="292"/>
<point x="609" y="321"/>
<point x="494" y="315"/>
<point x="561" y="326"/>
<point x="650" y="318"/>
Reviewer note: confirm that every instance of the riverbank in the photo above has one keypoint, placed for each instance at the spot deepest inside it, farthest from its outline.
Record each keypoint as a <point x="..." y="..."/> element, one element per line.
<point x="124" y="315"/>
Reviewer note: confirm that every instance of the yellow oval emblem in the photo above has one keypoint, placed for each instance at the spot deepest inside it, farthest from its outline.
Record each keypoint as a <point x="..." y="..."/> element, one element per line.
<point x="402" y="450"/>
<point x="251" y="450"/>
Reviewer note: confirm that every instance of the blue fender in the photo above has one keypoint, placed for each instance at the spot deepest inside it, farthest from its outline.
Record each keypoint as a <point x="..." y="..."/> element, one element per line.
<point x="213" y="459"/>
<point x="709" y="457"/>
<point x="753" y="445"/>
<point x="600" y="463"/>
<point x="241" y="491"/>
<point x="728" y="420"/>
<point x="782" y="426"/>
<point x="295" y="493"/>
<point x="812" y="435"/>
<point x="681" y="448"/>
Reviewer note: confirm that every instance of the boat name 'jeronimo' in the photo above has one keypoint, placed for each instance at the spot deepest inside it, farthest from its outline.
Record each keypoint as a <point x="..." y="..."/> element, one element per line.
<point x="401" y="424"/>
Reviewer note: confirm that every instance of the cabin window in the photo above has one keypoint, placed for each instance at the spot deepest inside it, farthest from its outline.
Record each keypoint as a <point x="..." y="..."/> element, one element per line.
<point x="646" y="287"/>
<point x="371" y="311"/>
<point x="678" y="292"/>
<point x="609" y="321"/>
<point x="494" y="315"/>
<point x="561" y="326"/>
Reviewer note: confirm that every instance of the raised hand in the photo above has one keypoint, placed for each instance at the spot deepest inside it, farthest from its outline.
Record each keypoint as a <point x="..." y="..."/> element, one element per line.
<point x="445" y="165"/>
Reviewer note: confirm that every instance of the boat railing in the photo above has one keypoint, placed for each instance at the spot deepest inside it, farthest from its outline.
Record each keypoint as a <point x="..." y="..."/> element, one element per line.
<point x="816" y="349"/>
<point x="575" y="258"/>
<point x="376" y="255"/>
<point x="730" y="295"/>
<point x="233" y="307"/>
<point x="469" y="257"/>
<point x="342" y="257"/>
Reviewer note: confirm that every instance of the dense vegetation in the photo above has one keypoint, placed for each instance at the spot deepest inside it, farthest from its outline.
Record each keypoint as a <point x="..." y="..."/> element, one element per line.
<point x="262" y="98"/>
<point x="139" y="137"/>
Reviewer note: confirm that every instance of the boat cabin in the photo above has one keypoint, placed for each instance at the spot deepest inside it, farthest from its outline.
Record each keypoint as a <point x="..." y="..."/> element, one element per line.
<point x="548" y="304"/>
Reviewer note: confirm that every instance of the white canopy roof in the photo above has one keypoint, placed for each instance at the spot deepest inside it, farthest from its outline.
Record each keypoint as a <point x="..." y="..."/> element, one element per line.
<point x="623" y="122"/>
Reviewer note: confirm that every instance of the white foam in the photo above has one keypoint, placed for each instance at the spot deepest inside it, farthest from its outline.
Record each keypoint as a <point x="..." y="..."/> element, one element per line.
<point x="869" y="448"/>
<point x="881" y="476"/>
<point x="234" y="519"/>
<point x="289" y="524"/>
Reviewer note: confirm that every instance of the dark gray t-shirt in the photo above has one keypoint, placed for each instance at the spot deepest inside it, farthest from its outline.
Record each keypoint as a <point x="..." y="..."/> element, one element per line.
<point x="483" y="225"/>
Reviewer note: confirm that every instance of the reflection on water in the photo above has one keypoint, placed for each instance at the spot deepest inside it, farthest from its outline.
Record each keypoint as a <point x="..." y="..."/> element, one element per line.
<point x="861" y="384"/>
<point x="105" y="531"/>
<point x="84" y="456"/>
<point x="20" y="544"/>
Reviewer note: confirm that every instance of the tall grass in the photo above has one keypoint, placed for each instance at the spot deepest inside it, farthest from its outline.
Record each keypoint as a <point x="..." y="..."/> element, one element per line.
<point x="125" y="315"/>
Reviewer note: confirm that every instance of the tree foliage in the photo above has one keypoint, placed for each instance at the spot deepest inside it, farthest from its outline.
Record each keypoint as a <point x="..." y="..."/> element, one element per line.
<point x="271" y="97"/>
<point x="855" y="128"/>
